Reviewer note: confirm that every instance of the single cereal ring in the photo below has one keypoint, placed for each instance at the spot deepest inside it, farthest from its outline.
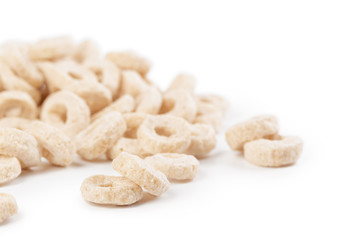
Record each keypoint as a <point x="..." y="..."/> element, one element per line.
<point x="56" y="146"/>
<point x="129" y="61"/>
<point x="14" y="122"/>
<point x="125" y="104"/>
<point x="149" y="101"/>
<point x="95" y="94"/>
<point x="8" y="206"/>
<point x="183" y="81"/>
<point x="10" y="168"/>
<point x="164" y="134"/>
<point x="9" y="81"/>
<point x="179" y="103"/>
<point x="100" y="135"/>
<point x="135" y="169"/>
<point x="214" y="119"/>
<point x="86" y="50"/>
<point x="51" y="49"/>
<point x="203" y="139"/>
<point x="133" y="122"/>
<point x="273" y="153"/>
<point x="17" y="104"/>
<point x="66" y="111"/>
<point x="19" y="144"/>
<point x="250" y="130"/>
<point x="174" y="166"/>
<point x="16" y="56"/>
<point x="113" y="190"/>
<point x="129" y="145"/>
<point x="132" y="83"/>
<point x="211" y="102"/>
<point x="107" y="74"/>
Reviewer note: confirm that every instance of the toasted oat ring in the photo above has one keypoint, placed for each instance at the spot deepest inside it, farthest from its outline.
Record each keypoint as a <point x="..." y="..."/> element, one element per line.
<point x="100" y="135"/>
<point x="51" y="49"/>
<point x="8" y="206"/>
<point x="203" y="139"/>
<point x="214" y="119"/>
<point x="129" y="145"/>
<point x="255" y="128"/>
<point x="19" y="144"/>
<point x="86" y="50"/>
<point x="11" y="82"/>
<point x="174" y="166"/>
<point x="56" y="146"/>
<point x="149" y="101"/>
<point x="14" y="122"/>
<point x="129" y="61"/>
<point x="179" y="103"/>
<point x="10" y="168"/>
<point x="273" y="153"/>
<point x="107" y="73"/>
<point x="66" y="111"/>
<point x="114" y="190"/>
<point x="132" y="83"/>
<point x="95" y="95"/>
<point x="125" y="104"/>
<point x="183" y="81"/>
<point x="161" y="134"/>
<point x="17" y="104"/>
<point x="135" y="169"/>
<point x="208" y="102"/>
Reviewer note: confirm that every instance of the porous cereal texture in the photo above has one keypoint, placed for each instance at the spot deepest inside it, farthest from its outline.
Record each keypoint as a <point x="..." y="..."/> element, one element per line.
<point x="10" y="168"/>
<point x="8" y="206"/>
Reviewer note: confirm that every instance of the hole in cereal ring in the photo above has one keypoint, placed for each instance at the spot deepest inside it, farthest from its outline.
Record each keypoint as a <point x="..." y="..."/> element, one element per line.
<point x="163" y="131"/>
<point x="167" y="106"/>
<point x="75" y="75"/>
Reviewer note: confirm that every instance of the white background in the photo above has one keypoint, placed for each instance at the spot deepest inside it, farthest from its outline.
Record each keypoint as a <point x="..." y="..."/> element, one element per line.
<point x="298" y="60"/>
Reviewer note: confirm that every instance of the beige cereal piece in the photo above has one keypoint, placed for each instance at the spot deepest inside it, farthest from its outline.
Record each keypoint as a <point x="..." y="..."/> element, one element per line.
<point x="179" y="103"/>
<point x="9" y="81"/>
<point x="100" y="135"/>
<point x="19" y="144"/>
<point x="16" y="56"/>
<point x="129" y="61"/>
<point x="135" y="169"/>
<point x="55" y="145"/>
<point x="149" y="101"/>
<point x="183" y="81"/>
<point x="214" y="119"/>
<point x="125" y="104"/>
<point x="132" y="83"/>
<point x="133" y="122"/>
<point x="95" y="94"/>
<point x="203" y="139"/>
<point x="273" y="153"/>
<point x="255" y="128"/>
<point x="8" y="206"/>
<point x="107" y="74"/>
<point x="86" y="50"/>
<point x="211" y="102"/>
<point x="113" y="190"/>
<point x="17" y="104"/>
<point x="51" y="49"/>
<point x="10" y="168"/>
<point x="129" y="145"/>
<point x="174" y="166"/>
<point x="66" y="111"/>
<point x="14" y="122"/>
<point x="164" y="134"/>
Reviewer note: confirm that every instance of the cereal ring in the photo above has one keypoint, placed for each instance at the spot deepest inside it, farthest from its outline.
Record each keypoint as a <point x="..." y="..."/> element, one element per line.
<point x="100" y="135"/>
<point x="10" y="168"/>
<point x="129" y="145"/>
<point x="214" y="119"/>
<point x="19" y="144"/>
<point x="149" y="101"/>
<point x="250" y="130"/>
<point x="8" y="206"/>
<point x="174" y="166"/>
<point x="86" y="50"/>
<point x="133" y="122"/>
<point x="160" y="134"/>
<point x="211" y="102"/>
<point x="10" y="81"/>
<point x="56" y="146"/>
<point x="51" y="49"/>
<point x="66" y="111"/>
<point x="113" y="190"/>
<point x="17" y="104"/>
<point x="203" y="139"/>
<point x="183" y="81"/>
<point x="16" y="56"/>
<point x="95" y="95"/>
<point x="133" y="84"/>
<point x="14" y="122"/>
<point x="179" y="103"/>
<point x="107" y="73"/>
<point x="135" y="169"/>
<point x="124" y="104"/>
<point x="129" y="61"/>
<point x="273" y="153"/>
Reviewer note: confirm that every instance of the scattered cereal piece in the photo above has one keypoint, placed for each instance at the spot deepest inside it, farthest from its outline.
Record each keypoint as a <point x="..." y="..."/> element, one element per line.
<point x="8" y="206"/>
<point x="183" y="81"/>
<point x="10" y="168"/>
<point x="203" y="139"/>
<point x="51" y="49"/>
<point x="129" y="61"/>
